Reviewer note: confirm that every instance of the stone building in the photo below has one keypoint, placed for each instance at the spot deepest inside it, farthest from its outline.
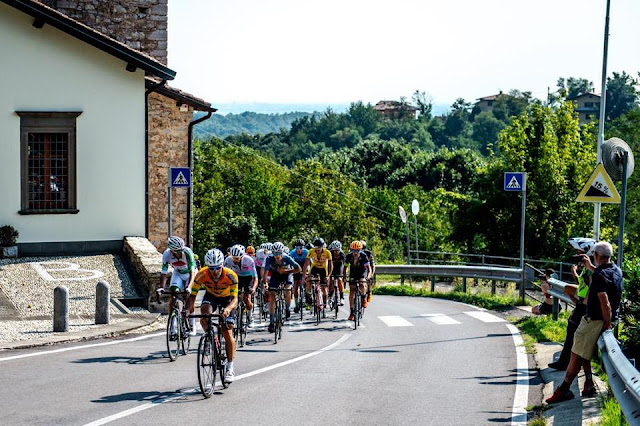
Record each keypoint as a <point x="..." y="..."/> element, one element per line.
<point x="587" y="106"/>
<point x="395" y="109"/>
<point x="486" y="103"/>
<point x="106" y="69"/>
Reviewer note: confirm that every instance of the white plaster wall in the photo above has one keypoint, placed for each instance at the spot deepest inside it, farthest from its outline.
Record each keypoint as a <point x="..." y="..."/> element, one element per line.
<point x="48" y="70"/>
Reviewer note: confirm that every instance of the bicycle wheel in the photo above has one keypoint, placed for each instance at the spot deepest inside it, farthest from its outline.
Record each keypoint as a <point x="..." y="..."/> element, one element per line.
<point x="356" y="310"/>
<point x="245" y="329"/>
<point x="237" y="328"/>
<point x="221" y="351"/>
<point x="335" y="301"/>
<point x="173" y="335"/>
<point x="241" y="327"/>
<point x="186" y="337"/>
<point x="277" y="322"/>
<point x="206" y="365"/>
<point x="301" y="291"/>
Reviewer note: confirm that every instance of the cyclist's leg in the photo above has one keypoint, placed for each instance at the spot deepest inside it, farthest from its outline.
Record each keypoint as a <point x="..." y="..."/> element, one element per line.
<point x="363" y="287"/>
<point x="273" y="283"/>
<point x="227" y="330"/>
<point x="287" y="299"/>
<point x="341" y="289"/>
<point x="352" y="297"/>
<point x="205" y="309"/>
<point x="296" y="289"/>
<point x="177" y="284"/>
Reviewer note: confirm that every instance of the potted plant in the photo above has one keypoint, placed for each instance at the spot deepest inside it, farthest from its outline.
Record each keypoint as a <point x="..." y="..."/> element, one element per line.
<point x="8" y="238"/>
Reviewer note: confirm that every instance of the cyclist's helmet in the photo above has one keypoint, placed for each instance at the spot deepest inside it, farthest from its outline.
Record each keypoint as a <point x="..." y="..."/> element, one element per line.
<point x="278" y="247"/>
<point x="335" y="245"/>
<point x="269" y="247"/>
<point x="308" y="246"/>
<point x="214" y="257"/>
<point x="237" y="250"/>
<point x="299" y="243"/>
<point x="356" y="245"/>
<point x="319" y="242"/>
<point x="251" y="251"/>
<point x="286" y="249"/>
<point x="364" y="244"/>
<point x="175" y="243"/>
<point x="583" y="244"/>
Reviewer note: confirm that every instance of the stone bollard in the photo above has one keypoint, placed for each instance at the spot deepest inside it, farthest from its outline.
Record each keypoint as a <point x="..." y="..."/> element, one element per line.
<point x="102" y="302"/>
<point x="61" y="308"/>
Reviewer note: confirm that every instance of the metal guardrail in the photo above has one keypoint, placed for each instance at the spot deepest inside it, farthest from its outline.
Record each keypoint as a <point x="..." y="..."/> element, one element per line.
<point x="624" y="379"/>
<point x="557" y="292"/>
<point x="482" y="272"/>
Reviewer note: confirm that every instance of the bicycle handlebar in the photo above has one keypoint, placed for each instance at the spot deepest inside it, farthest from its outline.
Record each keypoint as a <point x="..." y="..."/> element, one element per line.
<point x="219" y="316"/>
<point x="167" y="291"/>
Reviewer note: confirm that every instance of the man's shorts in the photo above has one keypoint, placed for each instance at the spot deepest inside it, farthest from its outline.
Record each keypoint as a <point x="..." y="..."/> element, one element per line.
<point x="319" y="271"/>
<point x="298" y="276"/>
<point x="545" y="308"/>
<point x="337" y="269"/>
<point x="179" y="280"/>
<point x="585" y="340"/>
<point x="219" y="303"/>
<point x="277" y="279"/>
<point x="244" y="284"/>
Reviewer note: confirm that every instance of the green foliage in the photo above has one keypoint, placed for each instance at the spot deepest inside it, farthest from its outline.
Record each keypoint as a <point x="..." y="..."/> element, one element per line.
<point x="250" y="123"/>
<point x="544" y="328"/>
<point x="8" y="236"/>
<point x="630" y="311"/>
<point x="622" y="95"/>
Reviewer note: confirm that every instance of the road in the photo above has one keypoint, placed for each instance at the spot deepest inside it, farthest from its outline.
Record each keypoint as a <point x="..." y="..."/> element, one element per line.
<point x="415" y="361"/>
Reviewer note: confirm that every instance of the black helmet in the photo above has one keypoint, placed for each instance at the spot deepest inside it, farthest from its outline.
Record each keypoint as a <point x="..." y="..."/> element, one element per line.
<point x="299" y="243"/>
<point x="308" y="246"/>
<point x="319" y="242"/>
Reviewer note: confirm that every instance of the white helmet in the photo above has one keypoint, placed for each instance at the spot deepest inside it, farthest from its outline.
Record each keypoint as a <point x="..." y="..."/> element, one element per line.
<point x="175" y="243"/>
<point x="335" y="245"/>
<point x="237" y="250"/>
<point x="214" y="257"/>
<point x="286" y="249"/>
<point x="583" y="244"/>
<point x="264" y="246"/>
<point x="278" y="247"/>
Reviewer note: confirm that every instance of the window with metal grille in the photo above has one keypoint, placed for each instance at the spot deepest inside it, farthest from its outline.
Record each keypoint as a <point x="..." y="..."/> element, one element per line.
<point x="48" y="145"/>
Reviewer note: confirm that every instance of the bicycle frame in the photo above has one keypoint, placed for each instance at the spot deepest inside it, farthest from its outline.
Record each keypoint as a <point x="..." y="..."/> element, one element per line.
<point x="207" y="367"/>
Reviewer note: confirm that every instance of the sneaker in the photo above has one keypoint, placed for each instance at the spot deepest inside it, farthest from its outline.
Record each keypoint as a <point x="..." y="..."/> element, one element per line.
<point x="192" y="332"/>
<point x="229" y="376"/>
<point x="271" y="328"/>
<point x="589" y="389"/>
<point x="559" y="396"/>
<point x="341" y="302"/>
<point x="560" y="366"/>
<point x="296" y="309"/>
<point x="351" y="317"/>
<point x="287" y="313"/>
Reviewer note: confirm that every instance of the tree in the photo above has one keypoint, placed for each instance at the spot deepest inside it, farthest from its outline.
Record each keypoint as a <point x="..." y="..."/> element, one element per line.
<point x="486" y="128"/>
<point x="424" y="103"/>
<point x="572" y="86"/>
<point x="622" y="95"/>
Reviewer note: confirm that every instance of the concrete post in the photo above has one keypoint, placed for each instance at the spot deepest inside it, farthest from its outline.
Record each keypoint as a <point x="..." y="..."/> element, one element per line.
<point x="433" y="284"/>
<point x="102" y="302"/>
<point x="493" y="287"/>
<point x="61" y="308"/>
<point x="464" y="284"/>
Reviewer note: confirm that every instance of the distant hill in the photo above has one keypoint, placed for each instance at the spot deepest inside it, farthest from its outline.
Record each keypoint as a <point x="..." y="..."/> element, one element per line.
<point x="247" y="122"/>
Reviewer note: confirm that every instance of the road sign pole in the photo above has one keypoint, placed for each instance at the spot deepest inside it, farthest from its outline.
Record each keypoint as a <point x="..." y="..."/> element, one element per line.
<point x="522" y="220"/>
<point x="623" y="206"/>
<point x="169" y="203"/>
<point x="408" y="244"/>
<point x="415" y="223"/>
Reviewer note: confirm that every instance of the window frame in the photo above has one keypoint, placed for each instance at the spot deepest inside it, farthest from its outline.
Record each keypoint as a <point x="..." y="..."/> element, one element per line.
<point x="47" y="122"/>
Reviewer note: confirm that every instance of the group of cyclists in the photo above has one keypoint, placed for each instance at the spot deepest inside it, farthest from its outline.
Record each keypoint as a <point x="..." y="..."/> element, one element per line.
<point x="273" y="266"/>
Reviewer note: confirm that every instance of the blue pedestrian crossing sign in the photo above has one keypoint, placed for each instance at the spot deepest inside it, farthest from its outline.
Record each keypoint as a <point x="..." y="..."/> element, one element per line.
<point x="180" y="177"/>
<point x="515" y="181"/>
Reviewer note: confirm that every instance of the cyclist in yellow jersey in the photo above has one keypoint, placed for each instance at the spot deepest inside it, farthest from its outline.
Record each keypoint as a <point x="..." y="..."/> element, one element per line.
<point x="319" y="258"/>
<point x="221" y="285"/>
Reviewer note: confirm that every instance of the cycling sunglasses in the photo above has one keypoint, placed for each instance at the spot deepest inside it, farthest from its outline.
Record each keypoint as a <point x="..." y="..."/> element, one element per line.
<point x="277" y="253"/>
<point x="355" y="251"/>
<point x="299" y="247"/>
<point x="215" y="268"/>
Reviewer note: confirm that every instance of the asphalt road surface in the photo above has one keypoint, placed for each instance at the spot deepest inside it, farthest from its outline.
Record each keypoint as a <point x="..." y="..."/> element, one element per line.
<point x="416" y="361"/>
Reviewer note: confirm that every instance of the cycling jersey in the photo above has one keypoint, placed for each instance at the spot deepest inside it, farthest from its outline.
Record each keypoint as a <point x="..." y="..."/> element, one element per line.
<point x="261" y="256"/>
<point x="182" y="265"/>
<point x="272" y="264"/>
<point x="246" y="268"/>
<point x="299" y="258"/>
<point x="357" y="265"/>
<point x="369" y="256"/>
<point x="338" y="262"/>
<point x="225" y="286"/>
<point x="319" y="260"/>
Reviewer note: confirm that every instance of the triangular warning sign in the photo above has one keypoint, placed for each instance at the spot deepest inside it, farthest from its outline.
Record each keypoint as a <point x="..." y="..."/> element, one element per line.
<point x="180" y="180"/>
<point x="599" y="188"/>
<point x="513" y="183"/>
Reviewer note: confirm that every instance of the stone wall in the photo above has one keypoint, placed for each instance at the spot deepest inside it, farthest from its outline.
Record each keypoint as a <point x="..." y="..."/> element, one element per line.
<point x="146" y="262"/>
<point x="140" y="24"/>
<point x="168" y="147"/>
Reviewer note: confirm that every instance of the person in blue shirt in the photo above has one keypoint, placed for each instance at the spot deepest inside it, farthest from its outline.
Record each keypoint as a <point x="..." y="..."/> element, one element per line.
<point x="281" y="266"/>
<point x="299" y="254"/>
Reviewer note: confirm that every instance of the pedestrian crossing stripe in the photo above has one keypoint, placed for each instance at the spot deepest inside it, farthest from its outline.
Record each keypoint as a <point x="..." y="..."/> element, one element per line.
<point x="180" y="180"/>
<point x="440" y="319"/>
<point x="395" y="321"/>
<point x="599" y="188"/>
<point x="484" y="316"/>
<point x="513" y="184"/>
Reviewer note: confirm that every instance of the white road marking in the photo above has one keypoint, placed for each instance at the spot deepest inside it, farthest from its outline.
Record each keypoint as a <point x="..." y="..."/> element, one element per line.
<point x="484" y="316"/>
<point x="521" y="397"/>
<point x="160" y="401"/>
<point x="395" y="321"/>
<point x="440" y="319"/>
<point x="75" y="348"/>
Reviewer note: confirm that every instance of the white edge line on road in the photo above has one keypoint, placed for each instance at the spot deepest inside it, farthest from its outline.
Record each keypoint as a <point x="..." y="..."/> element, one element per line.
<point x="160" y="401"/>
<point x="521" y="397"/>
<point x="74" y="348"/>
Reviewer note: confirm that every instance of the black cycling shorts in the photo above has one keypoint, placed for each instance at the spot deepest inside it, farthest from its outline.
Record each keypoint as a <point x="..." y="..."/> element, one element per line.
<point x="319" y="271"/>
<point x="219" y="303"/>
<point x="337" y="269"/>
<point x="244" y="284"/>
<point x="277" y="279"/>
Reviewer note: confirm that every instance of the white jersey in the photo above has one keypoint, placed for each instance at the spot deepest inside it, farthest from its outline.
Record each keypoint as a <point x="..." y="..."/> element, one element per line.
<point x="261" y="257"/>
<point x="247" y="267"/>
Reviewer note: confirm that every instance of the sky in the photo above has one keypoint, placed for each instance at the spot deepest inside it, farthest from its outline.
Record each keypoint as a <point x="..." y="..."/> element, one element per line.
<point x="342" y="51"/>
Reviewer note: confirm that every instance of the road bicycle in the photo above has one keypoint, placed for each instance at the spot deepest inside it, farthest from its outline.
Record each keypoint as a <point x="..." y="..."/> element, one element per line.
<point x="212" y="355"/>
<point x="279" y="311"/>
<point x="241" y="328"/>
<point x="261" y="304"/>
<point x="316" y="297"/>
<point x="177" y="325"/>
<point x="358" y="310"/>
<point x="334" y="299"/>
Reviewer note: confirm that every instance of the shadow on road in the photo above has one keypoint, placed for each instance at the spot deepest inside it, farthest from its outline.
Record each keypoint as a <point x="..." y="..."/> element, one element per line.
<point x="153" y="358"/>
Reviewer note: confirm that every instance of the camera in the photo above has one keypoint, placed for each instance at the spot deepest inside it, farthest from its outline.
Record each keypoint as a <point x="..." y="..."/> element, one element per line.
<point x="577" y="259"/>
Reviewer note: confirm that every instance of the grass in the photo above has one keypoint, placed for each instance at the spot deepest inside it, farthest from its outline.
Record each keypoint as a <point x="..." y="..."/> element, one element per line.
<point x="483" y="300"/>
<point x="611" y="414"/>
<point x="543" y="328"/>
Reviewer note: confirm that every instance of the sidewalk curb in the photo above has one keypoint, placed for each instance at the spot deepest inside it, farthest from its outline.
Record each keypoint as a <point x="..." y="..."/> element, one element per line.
<point x="580" y="410"/>
<point x="131" y="324"/>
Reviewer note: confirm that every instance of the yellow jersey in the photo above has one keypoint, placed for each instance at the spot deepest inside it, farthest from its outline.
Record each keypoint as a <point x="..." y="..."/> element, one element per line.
<point x="225" y="286"/>
<point x="319" y="260"/>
